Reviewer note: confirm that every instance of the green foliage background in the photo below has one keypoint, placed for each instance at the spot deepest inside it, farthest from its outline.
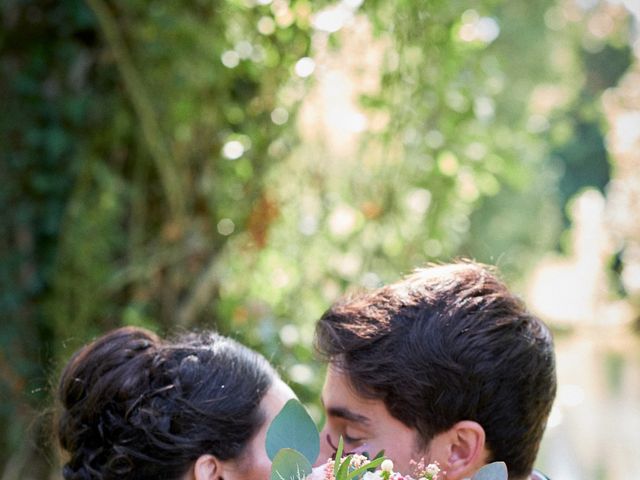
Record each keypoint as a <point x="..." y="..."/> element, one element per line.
<point x="114" y="189"/>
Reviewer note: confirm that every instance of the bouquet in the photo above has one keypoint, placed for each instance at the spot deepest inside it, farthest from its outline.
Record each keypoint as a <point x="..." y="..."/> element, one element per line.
<point x="359" y="466"/>
<point x="293" y="444"/>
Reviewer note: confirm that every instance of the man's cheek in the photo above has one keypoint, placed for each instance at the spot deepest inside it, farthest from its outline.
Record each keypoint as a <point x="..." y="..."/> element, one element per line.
<point x="373" y="447"/>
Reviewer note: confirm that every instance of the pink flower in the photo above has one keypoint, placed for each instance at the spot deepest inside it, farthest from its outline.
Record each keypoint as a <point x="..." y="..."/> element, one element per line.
<point x="323" y="472"/>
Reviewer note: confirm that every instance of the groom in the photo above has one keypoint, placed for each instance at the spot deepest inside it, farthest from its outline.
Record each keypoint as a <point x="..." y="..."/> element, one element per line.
<point x="446" y="365"/>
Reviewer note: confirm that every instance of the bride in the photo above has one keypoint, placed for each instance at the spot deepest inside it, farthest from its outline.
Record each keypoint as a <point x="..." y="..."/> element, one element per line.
<point x="135" y="406"/>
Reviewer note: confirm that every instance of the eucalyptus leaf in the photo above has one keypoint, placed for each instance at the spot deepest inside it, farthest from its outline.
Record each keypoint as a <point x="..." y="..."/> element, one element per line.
<point x="492" y="471"/>
<point x="289" y="464"/>
<point x="294" y="429"/>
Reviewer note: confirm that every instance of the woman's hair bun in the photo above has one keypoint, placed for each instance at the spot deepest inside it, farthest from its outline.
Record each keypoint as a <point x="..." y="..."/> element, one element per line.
<point x="133" y="406"/>
<point x="96" y="364"/>
<point x="99" y="380"/>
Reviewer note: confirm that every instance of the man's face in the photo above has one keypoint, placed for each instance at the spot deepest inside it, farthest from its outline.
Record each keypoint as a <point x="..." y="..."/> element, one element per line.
<point x="365" y="425"/>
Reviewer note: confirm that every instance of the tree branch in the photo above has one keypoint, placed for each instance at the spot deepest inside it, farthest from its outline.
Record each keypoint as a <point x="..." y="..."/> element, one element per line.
<point x="143" y="108"/>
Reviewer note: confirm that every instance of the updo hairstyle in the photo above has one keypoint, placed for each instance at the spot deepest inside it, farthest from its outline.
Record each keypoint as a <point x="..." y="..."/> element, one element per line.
<point x="135" y="406"/>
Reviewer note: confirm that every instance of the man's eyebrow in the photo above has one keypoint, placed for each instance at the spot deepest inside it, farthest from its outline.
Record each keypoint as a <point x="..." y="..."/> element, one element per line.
<point x="346" y="414"/>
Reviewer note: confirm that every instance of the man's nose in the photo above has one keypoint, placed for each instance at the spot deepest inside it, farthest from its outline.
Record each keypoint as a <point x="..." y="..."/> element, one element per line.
<point x="325" y="449"/>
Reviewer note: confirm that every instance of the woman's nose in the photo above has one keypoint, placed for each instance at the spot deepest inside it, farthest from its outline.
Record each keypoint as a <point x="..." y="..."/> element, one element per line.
<point x="325" y="449"/>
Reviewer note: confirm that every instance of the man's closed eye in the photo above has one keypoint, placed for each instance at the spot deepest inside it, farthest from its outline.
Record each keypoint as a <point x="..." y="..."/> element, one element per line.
<point x="351" y="440"/>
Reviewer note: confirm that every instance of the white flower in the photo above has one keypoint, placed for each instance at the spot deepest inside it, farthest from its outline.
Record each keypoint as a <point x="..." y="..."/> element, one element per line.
<point x="358" y="460"/>
<point x="387" y="466"/>
<point x="432" y="469"/>
<point x="371" y="476"/>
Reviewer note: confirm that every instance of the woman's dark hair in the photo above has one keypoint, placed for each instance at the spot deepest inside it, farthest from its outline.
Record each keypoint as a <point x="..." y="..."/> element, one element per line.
<point x="447" y="344"/>
<point x="135" y="406"/>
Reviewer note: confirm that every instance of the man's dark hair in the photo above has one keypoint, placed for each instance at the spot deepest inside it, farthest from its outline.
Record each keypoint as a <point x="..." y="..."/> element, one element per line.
<point x="446" y="344"/>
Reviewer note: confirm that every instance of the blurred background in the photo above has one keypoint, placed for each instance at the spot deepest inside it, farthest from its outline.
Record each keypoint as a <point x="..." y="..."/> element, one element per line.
<point x="240" y="164"/>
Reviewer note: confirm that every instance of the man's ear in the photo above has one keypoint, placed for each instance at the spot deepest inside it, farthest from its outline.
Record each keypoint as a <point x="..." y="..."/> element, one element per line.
<point x="461" y="450"/>
<point x="207" y="467"/>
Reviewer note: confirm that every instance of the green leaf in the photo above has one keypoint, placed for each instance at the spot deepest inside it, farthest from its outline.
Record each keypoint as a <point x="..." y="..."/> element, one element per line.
<point x="342" y="471"/>
<point x="365" y="468"/>
<point x="289" y="464"/>
<point x="492" y="471"/>
<point x="293" y="428"/>
<point x="338" y="457"/>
